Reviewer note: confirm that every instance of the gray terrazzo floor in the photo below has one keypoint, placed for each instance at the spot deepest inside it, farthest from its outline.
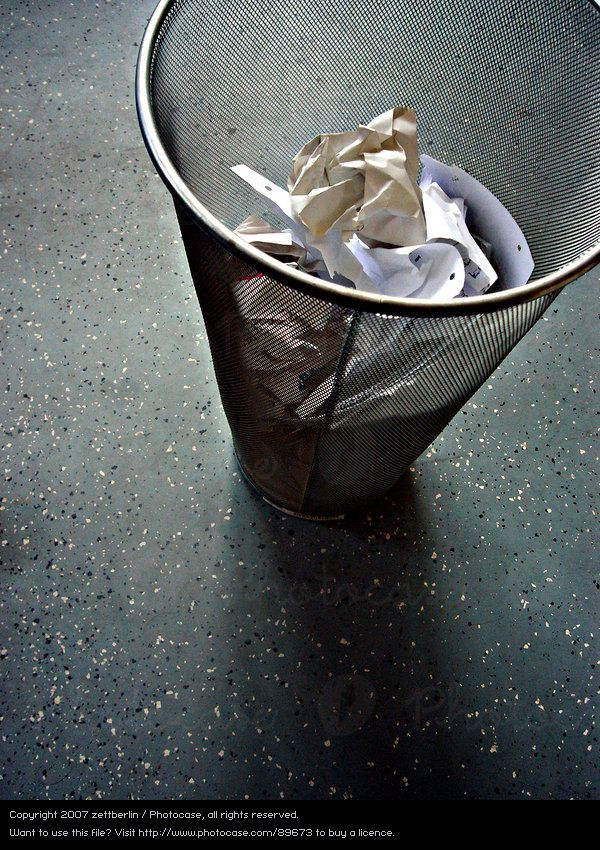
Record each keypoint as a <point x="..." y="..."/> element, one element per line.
<point x="167" y="634"/>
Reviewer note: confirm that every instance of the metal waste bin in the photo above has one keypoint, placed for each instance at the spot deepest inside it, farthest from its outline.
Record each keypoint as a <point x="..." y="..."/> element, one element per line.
<point x="331" y="393"/>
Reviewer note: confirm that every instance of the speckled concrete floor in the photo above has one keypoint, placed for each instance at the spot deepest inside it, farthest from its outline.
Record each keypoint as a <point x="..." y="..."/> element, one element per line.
<point x="164" y="632"/>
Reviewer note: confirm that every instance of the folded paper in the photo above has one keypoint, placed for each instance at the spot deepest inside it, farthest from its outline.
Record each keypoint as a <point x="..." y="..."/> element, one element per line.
<point x="488" y="218"/>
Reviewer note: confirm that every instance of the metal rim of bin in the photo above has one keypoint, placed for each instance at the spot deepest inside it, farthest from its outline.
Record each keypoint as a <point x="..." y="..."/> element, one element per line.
<point x="302" y="281"/>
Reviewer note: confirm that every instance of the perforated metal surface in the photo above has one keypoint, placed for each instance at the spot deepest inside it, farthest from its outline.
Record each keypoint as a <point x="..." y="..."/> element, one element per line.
<point x="329" y="402"/>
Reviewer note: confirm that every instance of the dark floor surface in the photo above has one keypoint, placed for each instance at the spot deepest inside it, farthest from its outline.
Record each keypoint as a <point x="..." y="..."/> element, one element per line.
<point x="167" y="634"/>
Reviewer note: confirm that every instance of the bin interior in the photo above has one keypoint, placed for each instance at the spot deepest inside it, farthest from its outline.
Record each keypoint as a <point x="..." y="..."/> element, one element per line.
<point x="508" y="90"/>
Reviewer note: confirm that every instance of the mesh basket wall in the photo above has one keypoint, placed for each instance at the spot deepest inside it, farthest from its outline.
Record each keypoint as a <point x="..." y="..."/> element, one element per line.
<point x="328" y="405"/>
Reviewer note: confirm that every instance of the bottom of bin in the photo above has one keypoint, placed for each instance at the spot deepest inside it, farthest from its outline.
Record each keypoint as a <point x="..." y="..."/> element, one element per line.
<point x="280" y="508"/>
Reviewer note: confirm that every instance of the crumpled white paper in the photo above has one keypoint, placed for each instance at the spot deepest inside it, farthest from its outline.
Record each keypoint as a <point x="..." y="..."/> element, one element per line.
<point x="355" y="213"/>
<point x="489" y="219"/>
<point x="364" y="180"/>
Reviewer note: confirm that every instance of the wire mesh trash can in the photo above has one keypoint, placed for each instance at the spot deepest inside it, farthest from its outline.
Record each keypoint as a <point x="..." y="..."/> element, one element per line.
<point x="331" y="393"/>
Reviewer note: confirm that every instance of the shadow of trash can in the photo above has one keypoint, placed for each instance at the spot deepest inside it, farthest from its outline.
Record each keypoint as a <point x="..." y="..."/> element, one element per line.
<point x="332" y="393"/>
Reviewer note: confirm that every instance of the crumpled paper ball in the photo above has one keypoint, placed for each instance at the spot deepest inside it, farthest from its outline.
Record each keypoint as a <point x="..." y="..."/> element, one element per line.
<point x="364" y="181"/>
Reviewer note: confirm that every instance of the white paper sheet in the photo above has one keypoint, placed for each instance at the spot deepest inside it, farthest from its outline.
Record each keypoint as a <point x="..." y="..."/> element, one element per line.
<point x="267" y="238"/>
<point x="446" y="223"/>
<point x="434" y="268"/>
<point x="489" y="219"/>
